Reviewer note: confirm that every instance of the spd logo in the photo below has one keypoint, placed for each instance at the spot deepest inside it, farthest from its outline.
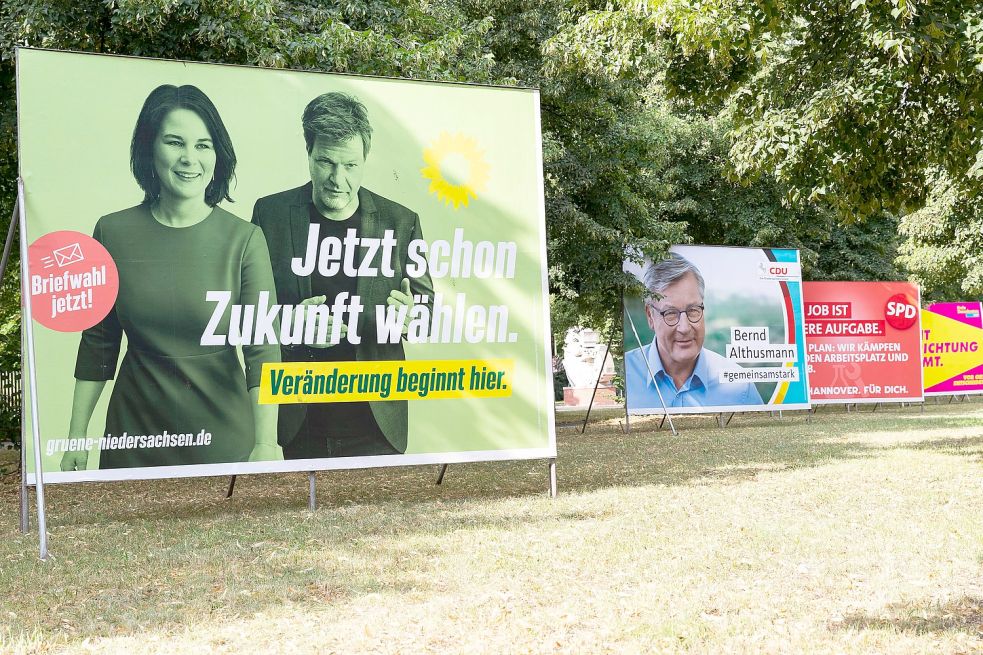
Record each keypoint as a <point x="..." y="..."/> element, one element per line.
<point x="900" y="312"/>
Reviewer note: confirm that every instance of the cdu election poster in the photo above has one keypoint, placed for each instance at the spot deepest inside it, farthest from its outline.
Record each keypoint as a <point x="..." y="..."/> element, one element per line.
<point x="716" y="329"/>
<point x="952" y="348"/>
<point x="238" y="270"/>
<point x="863" y="341"/>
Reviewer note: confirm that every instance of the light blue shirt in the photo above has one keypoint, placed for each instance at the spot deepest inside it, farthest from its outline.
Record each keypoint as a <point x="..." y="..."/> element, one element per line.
<point x="701" y="389"/>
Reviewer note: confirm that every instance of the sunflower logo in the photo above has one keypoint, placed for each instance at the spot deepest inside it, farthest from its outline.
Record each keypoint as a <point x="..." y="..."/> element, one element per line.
<point x="456" y="169"/>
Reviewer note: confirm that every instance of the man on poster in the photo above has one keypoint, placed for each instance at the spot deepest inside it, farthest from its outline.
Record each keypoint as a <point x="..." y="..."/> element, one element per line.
<point x="687" y="374"/>
<point x="334" y="205"/>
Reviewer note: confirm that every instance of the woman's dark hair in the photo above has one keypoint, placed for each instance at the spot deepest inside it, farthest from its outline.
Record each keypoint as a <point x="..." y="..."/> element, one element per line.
<point x="162" y="101"/>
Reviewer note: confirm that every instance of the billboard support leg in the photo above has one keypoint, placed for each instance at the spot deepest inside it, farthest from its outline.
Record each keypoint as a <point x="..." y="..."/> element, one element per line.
<point x="25" y="518"/>
<point x="28" y="322"/>
<point x="25" y="515"/>
<point x="663" y="421"/>
<point x="597" y="382"/>
<point x="440" y="474"/>
<point x="651" y="376"/>
<point x="552" y="469"/>
<point x="9" y="242"/>
<point x="232" y="487"/>
<point x="876" y="405"/>
<point x="626" y="428"/>
<point x="312" y="498"/>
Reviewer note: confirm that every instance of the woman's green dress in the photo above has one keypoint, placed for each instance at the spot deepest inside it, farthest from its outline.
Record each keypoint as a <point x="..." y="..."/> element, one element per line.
<point x="168" y="381"/>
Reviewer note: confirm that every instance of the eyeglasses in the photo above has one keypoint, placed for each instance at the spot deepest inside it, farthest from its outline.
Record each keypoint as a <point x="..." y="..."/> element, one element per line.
<point x="671" y="316"/>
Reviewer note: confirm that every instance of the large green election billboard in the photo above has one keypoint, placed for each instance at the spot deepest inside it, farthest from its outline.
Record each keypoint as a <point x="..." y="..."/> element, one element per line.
<point x="238" y="270"/>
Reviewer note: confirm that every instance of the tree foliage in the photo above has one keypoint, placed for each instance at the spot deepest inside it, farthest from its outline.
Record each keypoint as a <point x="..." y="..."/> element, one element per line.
<point x="596" y="200"/>
<point x="692" y="167"/>
<point x="624" y="166"/>
<point x="943" y="244"/>
<point x="601" y="194"/>
<point x="848" y="103"/>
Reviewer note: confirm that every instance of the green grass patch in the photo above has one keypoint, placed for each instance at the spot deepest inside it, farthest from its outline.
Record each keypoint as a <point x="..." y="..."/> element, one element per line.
<point x="855" y="532"/>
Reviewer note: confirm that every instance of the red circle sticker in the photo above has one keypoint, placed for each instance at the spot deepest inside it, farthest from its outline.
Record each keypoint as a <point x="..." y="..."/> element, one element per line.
<point x="74" y="281"/>
<point x="900" y="311"/>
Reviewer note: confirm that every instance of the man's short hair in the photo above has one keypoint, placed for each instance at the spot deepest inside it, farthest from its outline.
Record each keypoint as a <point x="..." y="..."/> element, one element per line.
<point x="659" y="275"/>
<point x="336" y="117"/>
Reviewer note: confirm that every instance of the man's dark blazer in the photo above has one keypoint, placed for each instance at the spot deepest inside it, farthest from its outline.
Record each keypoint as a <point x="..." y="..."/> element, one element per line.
<point x="285" y="220"/>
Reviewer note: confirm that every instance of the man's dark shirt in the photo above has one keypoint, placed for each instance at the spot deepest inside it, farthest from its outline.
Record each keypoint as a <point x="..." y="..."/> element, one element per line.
<point x="337" y="429"/>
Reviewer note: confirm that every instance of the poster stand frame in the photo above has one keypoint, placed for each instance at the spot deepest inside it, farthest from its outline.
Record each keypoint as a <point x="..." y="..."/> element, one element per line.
<point x="597" y="382"/>
<point x="662" y="400"/>
<point x="311" y="501"/>
<point x="27" y="322"/>
<point x="551" y="464"/>
<point x="25" y="518"/>
<point x="626" y="428"/>
<point x="25" y="514"/>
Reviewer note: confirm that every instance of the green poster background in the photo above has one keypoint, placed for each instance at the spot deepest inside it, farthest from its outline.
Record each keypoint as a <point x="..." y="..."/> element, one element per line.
<point x="76" y="115"/>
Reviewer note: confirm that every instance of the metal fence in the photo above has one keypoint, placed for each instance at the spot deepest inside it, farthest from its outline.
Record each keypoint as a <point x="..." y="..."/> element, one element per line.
<point x="10" y="390"/>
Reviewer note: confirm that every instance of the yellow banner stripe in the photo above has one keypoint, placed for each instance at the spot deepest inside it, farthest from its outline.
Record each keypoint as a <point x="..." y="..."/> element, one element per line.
<point x="783" y="387"/>
<point x="340" y="382"/>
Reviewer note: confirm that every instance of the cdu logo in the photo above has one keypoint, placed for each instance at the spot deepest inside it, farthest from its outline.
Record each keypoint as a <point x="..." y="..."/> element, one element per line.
<point x="782" y="271"/>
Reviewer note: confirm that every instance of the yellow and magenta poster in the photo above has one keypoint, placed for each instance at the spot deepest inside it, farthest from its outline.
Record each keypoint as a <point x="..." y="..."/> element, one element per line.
<point x="952" y="348"/>
<point x="238" y="270"/>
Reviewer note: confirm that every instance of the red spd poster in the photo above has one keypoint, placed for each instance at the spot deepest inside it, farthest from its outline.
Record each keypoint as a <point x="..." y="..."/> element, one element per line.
<point x="863" y="341"/>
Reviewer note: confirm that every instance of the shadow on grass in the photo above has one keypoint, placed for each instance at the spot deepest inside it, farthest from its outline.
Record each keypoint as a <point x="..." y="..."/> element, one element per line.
<point x="603" y="457"/>
<point x="970" y="446"/>
<point x="753" y="444"/>
<point x="159" y="536"/>
<point x="962" y="615"/>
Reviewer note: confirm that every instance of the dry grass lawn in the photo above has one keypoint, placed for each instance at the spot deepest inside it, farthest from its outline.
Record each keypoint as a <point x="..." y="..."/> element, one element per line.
<point x="857" y="532"/>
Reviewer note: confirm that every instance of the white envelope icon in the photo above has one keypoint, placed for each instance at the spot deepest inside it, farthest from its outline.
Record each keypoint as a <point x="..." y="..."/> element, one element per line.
<point x="68" y="255"/>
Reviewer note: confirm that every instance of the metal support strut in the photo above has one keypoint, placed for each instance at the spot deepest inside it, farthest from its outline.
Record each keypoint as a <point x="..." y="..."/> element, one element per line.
<point x="32" y="375"/>
<point x="597" y="383"/>
<point x="652" y="377"/>
<point x="25" y="518"/>
<point x="552" y="468"/>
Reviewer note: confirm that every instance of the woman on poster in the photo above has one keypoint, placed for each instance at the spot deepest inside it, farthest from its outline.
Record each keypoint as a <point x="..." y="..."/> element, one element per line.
<point x="176" y="402"/>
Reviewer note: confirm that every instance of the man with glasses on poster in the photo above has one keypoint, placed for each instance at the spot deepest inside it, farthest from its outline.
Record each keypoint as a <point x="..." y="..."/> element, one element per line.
<point x="687" y="374"/>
